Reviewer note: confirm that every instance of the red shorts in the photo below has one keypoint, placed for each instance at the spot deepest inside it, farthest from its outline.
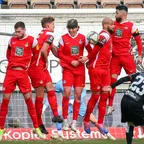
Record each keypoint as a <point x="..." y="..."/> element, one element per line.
<point x="39" y="77"/>
<point x="127" y="62"/>
<point x="99" y="78"/>
<point x="16" y="77"/>
<point x="73" y="78"/>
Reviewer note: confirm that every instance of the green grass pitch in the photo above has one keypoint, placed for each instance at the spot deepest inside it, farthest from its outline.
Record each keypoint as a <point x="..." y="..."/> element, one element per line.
<point x="72" y="142"/>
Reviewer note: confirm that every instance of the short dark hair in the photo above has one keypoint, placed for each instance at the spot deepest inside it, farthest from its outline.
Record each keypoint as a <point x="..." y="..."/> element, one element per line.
<point x="19" y="24"/>
<point x="122" y="7"/>
<point x="72" y="23"/>
<point x="46" y="20"/>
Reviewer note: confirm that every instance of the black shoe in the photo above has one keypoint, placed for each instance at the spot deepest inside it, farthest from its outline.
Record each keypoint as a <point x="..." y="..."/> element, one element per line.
<point x="43" y="129"/>
<point x="57" y="119"/>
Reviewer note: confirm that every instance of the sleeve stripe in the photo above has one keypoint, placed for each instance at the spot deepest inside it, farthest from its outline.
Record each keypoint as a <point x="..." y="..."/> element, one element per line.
<point x="135" y="34"/>
<point x="105" y="35"/>
<point x="61" y="41"/>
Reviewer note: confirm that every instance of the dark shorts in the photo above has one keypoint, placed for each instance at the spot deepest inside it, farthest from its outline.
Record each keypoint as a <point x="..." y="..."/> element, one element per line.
<point x="132" y="111"/>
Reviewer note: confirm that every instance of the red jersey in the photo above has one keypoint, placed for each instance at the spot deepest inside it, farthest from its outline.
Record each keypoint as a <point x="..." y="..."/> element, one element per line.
<point x="101" y="54"/>
<point x="71" y="48"/>
<point x="37" y="59"/>
<point x="121" y="38"/>
<point x="19" y="51"/>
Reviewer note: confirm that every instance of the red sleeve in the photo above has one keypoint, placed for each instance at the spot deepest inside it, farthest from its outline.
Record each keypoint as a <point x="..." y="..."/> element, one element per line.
<point x="94" y="52"/>
<point x="88" y="48"/>
<point x="8" y="53"/>
<point x="102" y="40"/>
<point x="139" y="44"/>
<point x="62" y="56"/>
<point x="136" y="35"/>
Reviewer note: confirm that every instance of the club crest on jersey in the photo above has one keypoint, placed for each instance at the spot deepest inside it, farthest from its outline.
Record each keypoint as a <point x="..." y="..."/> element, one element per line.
<point x="80" y="42"/>
<point x="37" y="47"/>
<point x="26" y="45"/>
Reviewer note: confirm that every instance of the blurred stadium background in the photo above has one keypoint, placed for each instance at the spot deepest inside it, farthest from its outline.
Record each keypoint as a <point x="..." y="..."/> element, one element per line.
<point x="89" y="14"/>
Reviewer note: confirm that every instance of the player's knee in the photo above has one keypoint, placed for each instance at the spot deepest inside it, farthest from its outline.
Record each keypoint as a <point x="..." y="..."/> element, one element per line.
<point x="6" y="96"/>
<point x="27" y="95"/>
<point x="49" y="86"/>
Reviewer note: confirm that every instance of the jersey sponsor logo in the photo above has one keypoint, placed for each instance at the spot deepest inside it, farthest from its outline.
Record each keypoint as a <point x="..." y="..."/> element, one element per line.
<point x="19" y="51"/>
<point x="132" y="95"/>
<point x="118" y="32"/>
<point x="13" y="42"/>
<point x="74" y="50"/>
<point x="67" y="43"/>
<point x="125" y="27"/>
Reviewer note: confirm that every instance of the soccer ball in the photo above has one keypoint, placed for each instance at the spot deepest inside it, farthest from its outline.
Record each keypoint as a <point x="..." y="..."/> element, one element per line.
<point x="92" y="37"/>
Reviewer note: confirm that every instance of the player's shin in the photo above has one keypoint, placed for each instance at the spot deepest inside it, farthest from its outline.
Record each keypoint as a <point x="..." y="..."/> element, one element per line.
<point x="39" y="106"/>
<point x="129" y="134"/>
<point x="65" y="104"/>
<point x="53" y="102"/>
<point x="102" y="107"/>
<point x="90" y="106"/>
<point x="32" y="112"/>
<point x="76" y="107"/>
<point x="111" y="96"/>
<point x="3" y="112"/>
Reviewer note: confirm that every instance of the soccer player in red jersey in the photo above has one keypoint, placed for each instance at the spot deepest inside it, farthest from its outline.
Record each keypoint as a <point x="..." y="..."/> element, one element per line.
<point x="99" y="73"/>
<point x="71" y="47"/>
<point x="122" y="49"/>
<point x="39" y="74"/>
<point x="19" y="55"/>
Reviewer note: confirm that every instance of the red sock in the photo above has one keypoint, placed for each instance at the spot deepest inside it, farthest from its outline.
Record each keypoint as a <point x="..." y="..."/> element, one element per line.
<point x="3" y="112"/>
<point x="65" y="104"/>
<point x="90" y="106"/>
<point x="76" y="107"/>
<point x="38" y="107"/>
<point x="102" y="107"/>
<point x="53" y="102"/>
<point x="111" y="96"/>
<point x="32" y="112"/>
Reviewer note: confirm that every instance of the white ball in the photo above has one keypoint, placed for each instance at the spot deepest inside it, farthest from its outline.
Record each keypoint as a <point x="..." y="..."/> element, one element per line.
<point x="93" y="37"/>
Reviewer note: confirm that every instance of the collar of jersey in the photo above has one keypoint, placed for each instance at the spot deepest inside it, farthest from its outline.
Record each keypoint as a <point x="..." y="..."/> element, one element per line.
<point x="74" y="36"/>
<point x="24" y="37"/>
<point x="124" y="22"/>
